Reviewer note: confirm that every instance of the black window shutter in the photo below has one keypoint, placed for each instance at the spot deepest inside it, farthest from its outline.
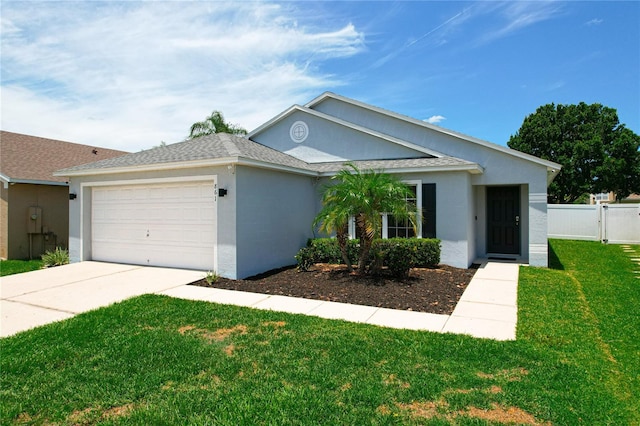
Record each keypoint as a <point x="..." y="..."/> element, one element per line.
<point x="428" y="210"/>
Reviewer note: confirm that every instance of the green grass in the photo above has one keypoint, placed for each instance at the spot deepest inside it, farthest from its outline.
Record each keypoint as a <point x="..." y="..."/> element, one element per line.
<point x="157" y="360"/>
<point x="10" y="267"/>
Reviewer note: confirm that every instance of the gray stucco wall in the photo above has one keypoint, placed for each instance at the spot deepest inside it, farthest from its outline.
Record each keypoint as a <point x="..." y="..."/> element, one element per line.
<point x="454" y="215"/>
<point x="275" y="211"/>
<point x="500" y="168"/>
<point x="454" y="212"/>
<point x="328" y="141"/>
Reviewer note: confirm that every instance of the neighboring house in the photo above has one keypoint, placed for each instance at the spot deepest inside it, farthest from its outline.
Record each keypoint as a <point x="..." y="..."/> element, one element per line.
<point x="603" y="197"/>
<point x="34" y="204"/>
<point x="242" y="206"/>
<point x="610" y="197"/>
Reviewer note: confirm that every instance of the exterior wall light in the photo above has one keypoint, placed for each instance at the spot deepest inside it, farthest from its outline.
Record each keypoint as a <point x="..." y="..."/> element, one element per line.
<point x="72" y="196"/>
<point x="222" y="192"/>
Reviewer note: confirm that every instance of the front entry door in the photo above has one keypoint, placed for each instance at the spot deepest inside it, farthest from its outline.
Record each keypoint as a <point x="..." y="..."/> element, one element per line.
<point x="503" y="219"/>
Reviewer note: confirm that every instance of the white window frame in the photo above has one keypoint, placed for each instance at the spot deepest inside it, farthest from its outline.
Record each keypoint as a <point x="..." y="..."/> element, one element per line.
<point x="385" y="217"/>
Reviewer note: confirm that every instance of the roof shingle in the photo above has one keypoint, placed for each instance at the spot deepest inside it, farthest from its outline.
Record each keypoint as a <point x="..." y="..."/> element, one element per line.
<point x="218" y="145"/>
<point x="225" y="146"/>
<point x="32" y="158"/>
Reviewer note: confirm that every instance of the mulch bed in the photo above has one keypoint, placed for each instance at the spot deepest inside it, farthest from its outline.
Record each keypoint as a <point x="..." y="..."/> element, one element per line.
<point x="434" y="290"/>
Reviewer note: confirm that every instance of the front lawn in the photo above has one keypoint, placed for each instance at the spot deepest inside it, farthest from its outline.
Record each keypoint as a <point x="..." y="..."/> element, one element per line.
<point x="157" y="360"/>
<point x="10" y="267"/>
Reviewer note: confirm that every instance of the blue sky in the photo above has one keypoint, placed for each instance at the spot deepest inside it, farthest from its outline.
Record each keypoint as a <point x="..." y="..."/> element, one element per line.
<point x="128" y="75"/>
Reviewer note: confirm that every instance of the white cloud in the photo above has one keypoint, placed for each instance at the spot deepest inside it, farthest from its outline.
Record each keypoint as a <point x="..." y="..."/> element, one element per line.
<point x="594" y="21"/>
<point x="514" y="16"/>
<point x="435" y="119"/>
<point x="128" y="75"/>
<point x="556" y="85"/>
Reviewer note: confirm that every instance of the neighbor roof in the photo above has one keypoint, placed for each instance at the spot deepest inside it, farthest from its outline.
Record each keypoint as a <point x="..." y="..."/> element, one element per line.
<point x="32" y="159"/>
<point x="222" y="148"/>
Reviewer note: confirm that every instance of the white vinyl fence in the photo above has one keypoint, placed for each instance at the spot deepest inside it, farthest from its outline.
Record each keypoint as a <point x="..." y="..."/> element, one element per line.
<point x="609" y="223"/>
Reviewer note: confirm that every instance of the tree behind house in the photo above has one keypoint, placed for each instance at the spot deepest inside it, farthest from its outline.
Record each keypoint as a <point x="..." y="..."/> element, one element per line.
<point x="597" y="153"/>
<point x="215" y="123"/>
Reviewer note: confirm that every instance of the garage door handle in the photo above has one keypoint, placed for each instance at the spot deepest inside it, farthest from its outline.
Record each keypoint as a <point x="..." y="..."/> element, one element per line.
<point x="147" y="232"/>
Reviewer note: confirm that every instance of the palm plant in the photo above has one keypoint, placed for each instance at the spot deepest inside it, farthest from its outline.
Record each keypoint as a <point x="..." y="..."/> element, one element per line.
<point x="365" y="195"/>
<point x="334" y="217"/>
<point x="214" y="123"/>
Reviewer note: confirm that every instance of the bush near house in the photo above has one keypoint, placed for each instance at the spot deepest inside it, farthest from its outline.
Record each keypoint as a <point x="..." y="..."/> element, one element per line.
<point x="397" y="254"/>
<point x="55" y="258"/>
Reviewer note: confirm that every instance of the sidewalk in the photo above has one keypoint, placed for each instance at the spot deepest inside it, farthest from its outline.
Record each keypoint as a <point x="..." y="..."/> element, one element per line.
<point x="487" y="308"/>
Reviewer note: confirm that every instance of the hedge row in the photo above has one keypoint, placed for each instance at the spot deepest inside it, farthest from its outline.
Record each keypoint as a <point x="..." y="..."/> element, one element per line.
<point x="397" y="254"/>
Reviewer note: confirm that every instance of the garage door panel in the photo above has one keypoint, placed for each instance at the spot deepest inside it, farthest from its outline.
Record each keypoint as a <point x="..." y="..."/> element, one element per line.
<point x="160" y="225"/>
<point x="119" y="232"/>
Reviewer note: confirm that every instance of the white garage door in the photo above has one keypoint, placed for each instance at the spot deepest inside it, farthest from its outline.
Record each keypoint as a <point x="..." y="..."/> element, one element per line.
<point x="158" y="225"/>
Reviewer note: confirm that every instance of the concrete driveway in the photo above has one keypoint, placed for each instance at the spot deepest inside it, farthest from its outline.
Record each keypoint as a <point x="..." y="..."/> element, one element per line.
<point x="40" y="297"/>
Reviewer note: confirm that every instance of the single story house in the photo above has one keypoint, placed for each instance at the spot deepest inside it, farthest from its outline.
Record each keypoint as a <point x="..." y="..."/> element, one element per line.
<point x="245" y="205"/>
<point x="34" y="204"/>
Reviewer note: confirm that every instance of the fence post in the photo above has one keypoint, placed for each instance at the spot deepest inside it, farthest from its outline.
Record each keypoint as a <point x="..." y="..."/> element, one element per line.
<point x="599" y="219"/>
<point x="605" y="209"/>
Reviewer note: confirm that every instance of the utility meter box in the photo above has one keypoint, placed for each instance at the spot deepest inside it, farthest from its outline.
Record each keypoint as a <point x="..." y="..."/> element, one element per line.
<point x="34" y="220"/>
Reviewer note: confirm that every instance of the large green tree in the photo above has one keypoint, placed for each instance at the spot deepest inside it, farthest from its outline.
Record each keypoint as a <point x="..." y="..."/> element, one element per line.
<point x="597" y="153"/>
<point x="215" y="123"/>
<point x="365" y="196"/>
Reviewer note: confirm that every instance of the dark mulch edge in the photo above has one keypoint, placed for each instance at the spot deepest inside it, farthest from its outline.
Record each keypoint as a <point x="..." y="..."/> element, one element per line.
<point x="435" y="290"/>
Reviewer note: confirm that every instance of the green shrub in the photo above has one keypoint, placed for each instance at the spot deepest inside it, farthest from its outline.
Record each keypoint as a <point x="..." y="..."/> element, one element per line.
<point x="212" y="277"/>
<point x="398" y="254"/>
<point x="55" y="258"/>
<point x="325" y="250"/>
<point x="427" y="252"/>
<point x="305" y="258"/>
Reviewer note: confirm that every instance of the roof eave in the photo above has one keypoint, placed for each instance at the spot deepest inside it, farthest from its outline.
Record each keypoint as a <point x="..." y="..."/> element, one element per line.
<point x="551" y="174"/>
<point x="340" y="122"/>
<point x="473" y="169"/>
<point x="491" y="145"/>
<point x="146" y="167"/>
<point x="9" y="180"/>
<point x="275" y="119"/>
<point x="185" y="165"/>
<point x="272" y="166"/>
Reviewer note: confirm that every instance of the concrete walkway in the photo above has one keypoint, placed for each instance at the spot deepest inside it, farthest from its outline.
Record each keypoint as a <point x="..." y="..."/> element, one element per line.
<point x="487" y="309"/>
<point x="40" y="297"/>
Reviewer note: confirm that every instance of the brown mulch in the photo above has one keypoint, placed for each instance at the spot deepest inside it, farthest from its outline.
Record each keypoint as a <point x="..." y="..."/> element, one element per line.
<point x="434" y="290"/>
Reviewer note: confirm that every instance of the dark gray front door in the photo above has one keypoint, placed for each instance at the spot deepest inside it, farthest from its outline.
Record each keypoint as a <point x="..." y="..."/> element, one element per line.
<point x="503" y="219"/>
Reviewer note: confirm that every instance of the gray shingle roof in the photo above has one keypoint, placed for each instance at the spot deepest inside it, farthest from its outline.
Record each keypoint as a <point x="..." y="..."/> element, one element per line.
<point x="219" y="145"/>
<point x="408" y="163"/>
<point x="222" y="145"/>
